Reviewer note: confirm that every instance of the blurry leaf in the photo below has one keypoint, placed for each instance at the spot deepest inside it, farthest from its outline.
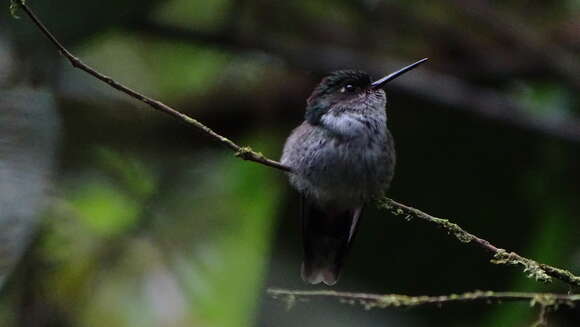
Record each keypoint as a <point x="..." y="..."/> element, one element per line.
<point x="162" y="69"/>
<point x="184" y="69"/>
<point x="117" y="303"/>
<point x="545" y="99"/>
<point x="106" y="209"/>
<point x="337" y="11"/>
<point x="248" y="72"/>
<point x="219" y="217"/>
<point x="70" y="247"/>
<point x="131" y="172"/>
<point x="252" y="206"/>
<point x="232" y="210"/>
<point x="121" y="56"/>
<point x="208" y="15"/>
<point x="7" y="312"/>
<point x="573" y="4"/>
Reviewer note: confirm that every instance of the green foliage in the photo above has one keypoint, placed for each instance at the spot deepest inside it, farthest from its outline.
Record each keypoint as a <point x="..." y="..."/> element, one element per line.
<point x="546" y="99"/>
<point x="337" y="11"/>
<point x="162" y="69"/>
<point x="103" y="207"/>
<point x="207" y="251"/>
<point x="572" y="5"/>
<point x="206" y="15"/>
<point x="131" y="173"/>
<point x="184" y="69"/>
<point x="223" y="276"/>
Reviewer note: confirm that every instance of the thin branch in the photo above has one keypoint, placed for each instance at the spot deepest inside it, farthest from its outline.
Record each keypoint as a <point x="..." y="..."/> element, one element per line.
<point x="382" y="301"/>
<point x="542" y="317"/>
<point x="243" y="152"/>
<point x="538" y="271"/>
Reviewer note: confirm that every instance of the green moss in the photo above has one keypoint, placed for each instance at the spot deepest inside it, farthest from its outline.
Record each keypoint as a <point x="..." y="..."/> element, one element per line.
<point x="244" y="152"/>
<point x="564" y="275"/>
<point x="408" y="213"/>
<point x="453" y="228"/>
<point x="531" y="267"/>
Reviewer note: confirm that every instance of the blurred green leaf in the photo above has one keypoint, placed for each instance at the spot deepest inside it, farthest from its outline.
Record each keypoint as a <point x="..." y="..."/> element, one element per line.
<point x="130" y="172"/>
<point x="546" y="100"/>
<point x="337" y="11"/>
<point x="162" y="69"/>
<point x="234" y="212"/>
<point x="104" y="207"/>
<point x="209" y="15"/>
<point x="218" y="221"/>
<point x="184" y="69"/>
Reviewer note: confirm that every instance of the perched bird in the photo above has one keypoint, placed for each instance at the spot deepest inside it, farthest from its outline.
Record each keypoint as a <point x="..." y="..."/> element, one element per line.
<point x="341" y="157"/>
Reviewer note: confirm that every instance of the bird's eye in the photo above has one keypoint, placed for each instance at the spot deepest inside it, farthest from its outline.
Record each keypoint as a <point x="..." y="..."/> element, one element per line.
<point x="348" y="88"/>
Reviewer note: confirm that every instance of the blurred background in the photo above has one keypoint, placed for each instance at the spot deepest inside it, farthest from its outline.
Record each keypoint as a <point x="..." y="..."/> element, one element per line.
<point x="112" y="214"/>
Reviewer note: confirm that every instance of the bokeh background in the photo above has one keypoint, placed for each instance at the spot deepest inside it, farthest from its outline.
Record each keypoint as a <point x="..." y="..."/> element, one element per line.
<point x="114" y="215"/>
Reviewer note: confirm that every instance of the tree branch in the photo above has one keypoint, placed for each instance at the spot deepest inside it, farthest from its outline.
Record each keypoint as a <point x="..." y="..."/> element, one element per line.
<point x="538" y="271"/>
<point x="381" y="301"/>
<point x="243" y="152"/>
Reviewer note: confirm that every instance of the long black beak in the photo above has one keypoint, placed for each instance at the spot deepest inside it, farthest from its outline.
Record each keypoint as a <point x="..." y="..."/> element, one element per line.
<point x="381" y="82"/>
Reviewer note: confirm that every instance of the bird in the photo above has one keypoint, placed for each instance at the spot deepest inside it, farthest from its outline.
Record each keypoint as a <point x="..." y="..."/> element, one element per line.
<point x="340" y="158"/>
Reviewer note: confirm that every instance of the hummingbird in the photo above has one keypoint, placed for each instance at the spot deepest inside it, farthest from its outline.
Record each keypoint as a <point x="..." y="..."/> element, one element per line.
<point x="341" y="157"/>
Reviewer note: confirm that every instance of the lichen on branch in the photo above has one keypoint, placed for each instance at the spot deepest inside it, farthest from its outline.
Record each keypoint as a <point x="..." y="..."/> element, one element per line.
<point x="382" y="301"/>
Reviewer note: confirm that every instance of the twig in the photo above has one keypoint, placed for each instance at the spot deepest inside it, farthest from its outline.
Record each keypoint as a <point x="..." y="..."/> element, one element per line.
<point x="382" y="301"/>
<point x="542" y="316"/>
<point x="243" y="152"/>
<point x="538" y="271"/>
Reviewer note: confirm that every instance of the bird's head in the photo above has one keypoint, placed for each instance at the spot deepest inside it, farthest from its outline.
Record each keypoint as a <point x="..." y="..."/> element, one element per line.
<point x="349" y="89"/>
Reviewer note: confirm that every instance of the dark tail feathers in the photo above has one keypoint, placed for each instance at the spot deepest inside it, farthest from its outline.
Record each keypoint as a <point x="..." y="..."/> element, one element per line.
<point x="327" y="237"/>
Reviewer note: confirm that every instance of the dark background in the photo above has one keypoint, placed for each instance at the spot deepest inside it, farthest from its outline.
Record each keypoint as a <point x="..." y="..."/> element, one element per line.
<point x="131" y="218"/>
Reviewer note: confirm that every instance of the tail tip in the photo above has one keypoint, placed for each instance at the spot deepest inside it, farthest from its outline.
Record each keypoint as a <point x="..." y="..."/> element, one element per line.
<point x="319" y="275"/>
